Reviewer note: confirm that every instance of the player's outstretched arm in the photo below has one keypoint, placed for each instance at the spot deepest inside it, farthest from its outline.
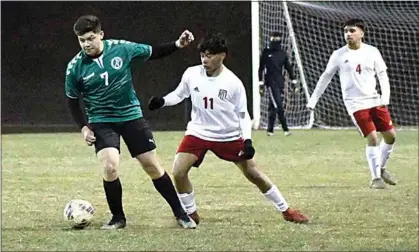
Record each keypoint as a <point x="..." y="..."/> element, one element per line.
<point x="323" y="82"/>
<point x="173" y="98"/>
<point x="155" y="103"/>
<point x="165" y="49"/>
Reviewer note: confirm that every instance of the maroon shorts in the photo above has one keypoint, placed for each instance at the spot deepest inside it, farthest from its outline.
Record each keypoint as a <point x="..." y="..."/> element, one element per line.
<point x="228" y="151"/>
<point x="373" y="119"/>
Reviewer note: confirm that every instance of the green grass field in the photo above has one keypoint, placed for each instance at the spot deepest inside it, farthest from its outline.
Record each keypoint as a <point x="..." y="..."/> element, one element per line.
<point x="322" y="173"/>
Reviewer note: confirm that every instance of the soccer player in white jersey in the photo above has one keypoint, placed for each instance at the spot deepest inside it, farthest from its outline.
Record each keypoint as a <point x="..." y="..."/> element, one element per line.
<point x="219" y="123"/>
<point x="357" y="64"/>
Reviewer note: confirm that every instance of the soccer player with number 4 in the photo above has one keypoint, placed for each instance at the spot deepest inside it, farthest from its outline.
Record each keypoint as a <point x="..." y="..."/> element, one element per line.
<point x="220" y="123"/>
<point x="357" y="64"/>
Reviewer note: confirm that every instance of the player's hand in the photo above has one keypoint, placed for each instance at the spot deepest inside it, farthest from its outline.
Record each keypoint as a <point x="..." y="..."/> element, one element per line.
<point x="249" y="150"/>
<point x="88" y="135"/>
<point x="185" y="39"/>
<point x="155" y="103"/>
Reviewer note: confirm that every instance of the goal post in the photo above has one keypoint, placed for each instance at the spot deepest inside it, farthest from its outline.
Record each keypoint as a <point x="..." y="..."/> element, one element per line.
<point x="299" y="63"/>
<point x="255" y="64"/>
<point x="295" y="98"/>
<point x="311" y="31"/>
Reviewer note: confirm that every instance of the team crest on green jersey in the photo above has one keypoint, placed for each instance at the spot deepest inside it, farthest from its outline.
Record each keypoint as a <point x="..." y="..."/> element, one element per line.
<point x="117" y="63"/>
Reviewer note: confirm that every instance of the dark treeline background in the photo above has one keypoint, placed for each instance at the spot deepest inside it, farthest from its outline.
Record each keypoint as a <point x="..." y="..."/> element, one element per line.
<point x="38" y="42"/>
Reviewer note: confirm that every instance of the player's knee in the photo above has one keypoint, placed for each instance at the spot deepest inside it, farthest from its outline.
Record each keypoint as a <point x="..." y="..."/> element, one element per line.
<point x="182" y="164"/>
<point x="110" y="170"/>
<point x="389" y="136"/>
<point x="109" y="158"/>
<point x="390" y="139"/>
<point x="179" y="173"/>
<point x="373" y="142"/>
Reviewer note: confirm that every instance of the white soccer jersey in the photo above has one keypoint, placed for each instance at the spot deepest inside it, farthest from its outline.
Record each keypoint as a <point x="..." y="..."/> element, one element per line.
<point x="216" y="104"/>
<point x="357" y="69"/>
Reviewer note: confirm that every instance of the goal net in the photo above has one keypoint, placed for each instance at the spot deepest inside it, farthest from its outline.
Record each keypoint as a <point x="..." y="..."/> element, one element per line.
<point x="390" y="26"/>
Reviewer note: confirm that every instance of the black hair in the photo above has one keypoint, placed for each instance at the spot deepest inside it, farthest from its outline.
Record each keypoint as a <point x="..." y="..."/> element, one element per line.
<point x="85" y="24"/>
<point x="355" y="22"/>
<point x="214" y="43"/>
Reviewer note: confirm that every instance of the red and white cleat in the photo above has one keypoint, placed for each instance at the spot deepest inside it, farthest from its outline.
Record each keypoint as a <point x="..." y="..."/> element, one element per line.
<point x="295" y="216"/>
<point x="194" y="216"/>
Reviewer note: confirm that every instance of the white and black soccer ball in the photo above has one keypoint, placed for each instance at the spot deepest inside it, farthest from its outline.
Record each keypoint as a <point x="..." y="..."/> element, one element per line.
<point x="79" y="213"/>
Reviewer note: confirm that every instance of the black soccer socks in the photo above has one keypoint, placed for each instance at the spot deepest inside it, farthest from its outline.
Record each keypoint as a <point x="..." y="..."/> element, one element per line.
<point x="164" y="186"/>
<point x="113" y="191"/>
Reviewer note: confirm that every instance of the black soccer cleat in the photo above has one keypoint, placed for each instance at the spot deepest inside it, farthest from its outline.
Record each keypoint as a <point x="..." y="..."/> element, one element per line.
<point x="115" y="223"/>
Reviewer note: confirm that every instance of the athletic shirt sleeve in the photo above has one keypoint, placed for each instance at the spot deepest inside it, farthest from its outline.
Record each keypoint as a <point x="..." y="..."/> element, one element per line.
<point x="137" y="50"/>
<point x="379" y="64"/>
<point x="241" y="110"/>
<point x="324" y="80"/>
<point x="241" y="98"/>
<point x="71" y="82"/>
<point x="180" y="93"/>
<point x="380" y="68"/>
<point x="71" y="89"/>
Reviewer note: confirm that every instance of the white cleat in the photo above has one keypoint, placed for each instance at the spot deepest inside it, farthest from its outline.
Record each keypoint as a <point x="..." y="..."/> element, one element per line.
<point x="188" y="223"/>
<point x="287" y="133"/>
<point x="271" y="133"/>
<point x="388" y="178"/>
<point x="378" y="183"/>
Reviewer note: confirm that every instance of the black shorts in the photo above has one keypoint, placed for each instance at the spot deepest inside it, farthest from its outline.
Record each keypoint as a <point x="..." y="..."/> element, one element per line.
<point x="136" y="134"/>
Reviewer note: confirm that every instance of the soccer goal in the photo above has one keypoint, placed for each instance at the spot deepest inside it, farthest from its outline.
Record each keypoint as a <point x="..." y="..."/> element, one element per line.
<point x="311" y="31"/>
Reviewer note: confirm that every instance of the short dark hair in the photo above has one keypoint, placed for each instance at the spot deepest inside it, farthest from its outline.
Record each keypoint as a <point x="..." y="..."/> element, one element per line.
<point x="355" y="22"/>
<point x="85" y="24"/>
<point x="275" y="34"/>
<point x="214" y="43"/>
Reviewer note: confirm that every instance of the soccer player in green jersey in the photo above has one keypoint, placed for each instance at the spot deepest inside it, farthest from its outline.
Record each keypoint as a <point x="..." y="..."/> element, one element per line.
<point x="100" y="75"/>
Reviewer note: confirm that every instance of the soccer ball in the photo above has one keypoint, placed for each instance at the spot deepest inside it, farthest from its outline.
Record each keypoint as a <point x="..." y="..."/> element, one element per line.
<point x="79" y="213"/>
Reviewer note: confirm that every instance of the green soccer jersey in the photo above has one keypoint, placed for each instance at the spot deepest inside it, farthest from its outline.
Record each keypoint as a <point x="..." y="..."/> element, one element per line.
<point x="105" y="82"/>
